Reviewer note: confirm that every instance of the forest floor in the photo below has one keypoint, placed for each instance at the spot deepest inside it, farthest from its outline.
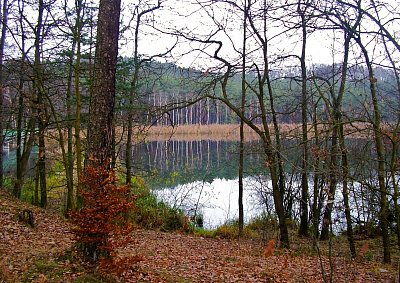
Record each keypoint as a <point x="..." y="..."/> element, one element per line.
<point x="45" y="253"/>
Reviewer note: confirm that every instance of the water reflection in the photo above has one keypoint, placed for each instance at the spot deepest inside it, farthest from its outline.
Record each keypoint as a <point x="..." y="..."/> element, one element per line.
<point x="10" y="160"/>
<point x="216" y="201"/>
<point x="200" y="177"/>
<point x="171" y="163"/>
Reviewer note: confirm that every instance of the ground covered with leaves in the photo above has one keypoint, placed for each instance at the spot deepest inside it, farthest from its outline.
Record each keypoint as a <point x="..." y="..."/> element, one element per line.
<point x="46" y="253"/>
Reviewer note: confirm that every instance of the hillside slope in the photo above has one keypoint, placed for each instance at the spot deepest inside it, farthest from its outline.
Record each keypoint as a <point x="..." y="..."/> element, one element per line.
<point x="43" y="254"/>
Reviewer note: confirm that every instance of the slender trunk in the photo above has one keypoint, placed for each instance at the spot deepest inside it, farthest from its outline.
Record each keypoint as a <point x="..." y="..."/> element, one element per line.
<point x="347" y="208"/>
<point x="2" y="43"/>
<point x="41" y="111"/>
<point x="24" y="149"/>
<point x="272" y="161"/>
<point x="241" y="145"/>
<point x="69" y="165"/>
<point x="380" y="151"/>
<point x="128" y="152"/>
<point x="378" y="137"/>
<point x="395" y="147"/>
<point x="343" y="149"/>
<point x="316" y="180"/>
<point x="78" y="102"/>
<point x="393" y="165"/>
<point x="273" y="157"/>
<point x="303" y="230"/>
<point x="333" y="173"/>
<point x="36" y="190"/>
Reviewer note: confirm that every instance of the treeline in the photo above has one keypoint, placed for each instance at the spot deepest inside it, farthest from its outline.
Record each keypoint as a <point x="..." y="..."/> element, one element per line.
<point x="172" y="89"/>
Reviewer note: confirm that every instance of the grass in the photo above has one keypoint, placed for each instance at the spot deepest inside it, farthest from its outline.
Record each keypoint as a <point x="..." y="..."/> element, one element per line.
<point x="150" y="213"/>
<point x="230" y="132"/>
<point x="44" y="269"/>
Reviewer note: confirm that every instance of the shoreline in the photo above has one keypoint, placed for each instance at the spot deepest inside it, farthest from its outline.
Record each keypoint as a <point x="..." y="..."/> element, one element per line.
<point x="230" y="132"/>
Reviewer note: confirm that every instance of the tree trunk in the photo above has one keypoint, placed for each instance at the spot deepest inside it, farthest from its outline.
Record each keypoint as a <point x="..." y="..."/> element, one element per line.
<point x="303" y="230"/>
<point x="316" y="211"/>
<point x="241" y="145"/>
<point x="380" y="151"/>
<point x="2" y="43"/>
<point x="343" y="149"/>
<point x="69" y="166"/>
<point x="379" y="147"/>
<point x="41" y="107"/>
<point x="102" y="102"/>
<point x="78" y="101"/>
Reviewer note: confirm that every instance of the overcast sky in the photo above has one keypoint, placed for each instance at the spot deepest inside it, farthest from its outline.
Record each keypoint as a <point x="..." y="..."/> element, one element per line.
<point x="186" y="16"/>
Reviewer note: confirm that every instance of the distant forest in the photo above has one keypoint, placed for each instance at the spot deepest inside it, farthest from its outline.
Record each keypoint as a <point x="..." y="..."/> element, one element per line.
<point x="169" y="95"/>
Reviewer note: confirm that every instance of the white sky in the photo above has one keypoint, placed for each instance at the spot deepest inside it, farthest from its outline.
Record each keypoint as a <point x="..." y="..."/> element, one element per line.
<point x="186" y="16"/>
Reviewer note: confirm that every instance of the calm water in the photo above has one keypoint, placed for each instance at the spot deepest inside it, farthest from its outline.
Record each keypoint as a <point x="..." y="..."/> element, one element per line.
<point x="10" y="164"/>
<point x="201" y="177"/>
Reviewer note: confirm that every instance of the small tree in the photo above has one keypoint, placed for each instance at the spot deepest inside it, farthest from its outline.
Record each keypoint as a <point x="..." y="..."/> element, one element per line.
<point x="102" y="219"/>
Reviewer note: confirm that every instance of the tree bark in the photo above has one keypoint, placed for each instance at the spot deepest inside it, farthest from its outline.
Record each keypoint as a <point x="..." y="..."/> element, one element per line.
<point x="78" y="99"/>
<point x="38" y="83"/>
<point x="2" y="43"/>
<point x="241" y="144"/>
<point x="99" y="147"/>
<point x="303" y="230"/>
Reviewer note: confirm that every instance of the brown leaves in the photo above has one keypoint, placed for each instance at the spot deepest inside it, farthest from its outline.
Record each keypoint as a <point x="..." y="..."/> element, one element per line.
<point x="363" y="251"/>
<point x="167" y="257"/>
<point x="101" y="220"/>
<point x="22" y="246"/>
<point x="270" y="248"/>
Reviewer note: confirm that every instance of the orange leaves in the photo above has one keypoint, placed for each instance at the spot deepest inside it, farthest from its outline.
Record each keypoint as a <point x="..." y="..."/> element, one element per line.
<point x="101" y="220"/>
<point x="118" y="265"/>
<point x="364" y="250"/>
<point x="270" y="248"/>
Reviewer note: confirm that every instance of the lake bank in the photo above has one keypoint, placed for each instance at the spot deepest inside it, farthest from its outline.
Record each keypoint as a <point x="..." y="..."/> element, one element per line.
<point x="230" y="132"/>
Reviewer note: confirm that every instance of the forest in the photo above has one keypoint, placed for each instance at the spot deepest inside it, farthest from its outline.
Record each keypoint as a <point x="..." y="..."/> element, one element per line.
<point x="118" y="115"/>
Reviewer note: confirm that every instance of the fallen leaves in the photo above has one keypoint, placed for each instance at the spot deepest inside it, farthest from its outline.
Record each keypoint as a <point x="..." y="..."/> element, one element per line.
<point x="28" y="254"/>
<point x="21" y="246"/>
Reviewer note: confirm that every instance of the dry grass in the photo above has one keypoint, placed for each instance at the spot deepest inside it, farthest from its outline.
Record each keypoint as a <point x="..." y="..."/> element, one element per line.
<point x="230" y="132"/>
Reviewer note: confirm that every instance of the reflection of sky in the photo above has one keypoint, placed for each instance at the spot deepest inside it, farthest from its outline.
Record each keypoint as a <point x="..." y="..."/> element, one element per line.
<point x="10" y="163"/>
<point x="216" y="201"/>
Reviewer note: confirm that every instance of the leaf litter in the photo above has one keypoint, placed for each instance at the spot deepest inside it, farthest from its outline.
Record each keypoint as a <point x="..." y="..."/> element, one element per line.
<point x="41" y="254"/>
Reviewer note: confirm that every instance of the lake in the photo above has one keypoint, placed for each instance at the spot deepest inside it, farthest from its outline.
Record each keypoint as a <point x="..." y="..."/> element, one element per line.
<point x="200" y="176"/>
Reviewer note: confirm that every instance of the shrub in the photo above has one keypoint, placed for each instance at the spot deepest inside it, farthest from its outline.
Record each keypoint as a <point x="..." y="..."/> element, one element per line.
<point x="228" y="230"/>
<point x="151" y="213"/>
<point x="102" y="219"/>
